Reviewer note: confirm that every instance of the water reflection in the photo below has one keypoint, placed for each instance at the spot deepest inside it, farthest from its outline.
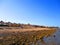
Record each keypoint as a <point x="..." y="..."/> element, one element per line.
<point x="54" y="39"/>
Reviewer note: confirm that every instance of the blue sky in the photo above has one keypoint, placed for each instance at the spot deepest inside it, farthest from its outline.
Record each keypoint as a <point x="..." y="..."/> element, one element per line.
<point x="39" y="12"/>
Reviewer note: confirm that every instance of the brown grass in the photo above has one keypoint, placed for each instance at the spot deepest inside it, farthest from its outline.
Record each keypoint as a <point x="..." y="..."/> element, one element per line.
<point x="24" y="36"/>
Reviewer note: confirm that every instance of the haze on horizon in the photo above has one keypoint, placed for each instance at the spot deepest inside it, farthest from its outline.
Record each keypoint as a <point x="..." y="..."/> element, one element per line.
<point x="39" y="12"/>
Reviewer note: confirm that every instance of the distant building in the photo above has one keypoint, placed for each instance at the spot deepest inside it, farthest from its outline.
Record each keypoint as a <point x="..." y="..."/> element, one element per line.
<point x="3" y="24"/>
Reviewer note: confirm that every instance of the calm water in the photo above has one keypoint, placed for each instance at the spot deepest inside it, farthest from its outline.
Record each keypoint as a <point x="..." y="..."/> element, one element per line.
<point x="54" y="39"/>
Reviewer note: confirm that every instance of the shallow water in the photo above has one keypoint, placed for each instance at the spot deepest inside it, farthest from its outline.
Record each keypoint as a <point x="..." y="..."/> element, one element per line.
<point x="54" y="39"/>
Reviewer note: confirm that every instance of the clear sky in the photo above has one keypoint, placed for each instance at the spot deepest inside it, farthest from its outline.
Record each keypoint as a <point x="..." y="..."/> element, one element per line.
<point x="39" y="12"/>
